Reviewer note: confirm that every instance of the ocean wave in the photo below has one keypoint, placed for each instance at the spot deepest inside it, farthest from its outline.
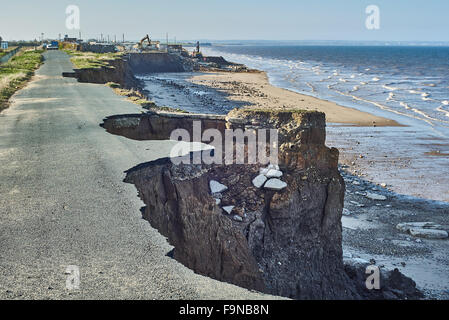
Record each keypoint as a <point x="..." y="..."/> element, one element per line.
<point x="311" y="86"/>
<point x="405" y="105"/>
<point x="384" y="107"/>
<point x="375" y="79"/>
<point x="385" y="86"/>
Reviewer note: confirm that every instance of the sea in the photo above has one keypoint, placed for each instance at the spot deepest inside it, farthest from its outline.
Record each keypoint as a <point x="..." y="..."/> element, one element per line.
<point x="407" y="83"/>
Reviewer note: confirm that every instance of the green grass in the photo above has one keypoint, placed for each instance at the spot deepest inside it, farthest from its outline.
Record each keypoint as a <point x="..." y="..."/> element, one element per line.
<point x="16" y="72"/>
<point x="89" y="60"/>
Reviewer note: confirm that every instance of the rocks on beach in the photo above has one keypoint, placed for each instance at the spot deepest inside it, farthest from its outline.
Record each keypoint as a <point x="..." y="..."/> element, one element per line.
<point x="429" y="230"/>
<point x="375" y="196"/>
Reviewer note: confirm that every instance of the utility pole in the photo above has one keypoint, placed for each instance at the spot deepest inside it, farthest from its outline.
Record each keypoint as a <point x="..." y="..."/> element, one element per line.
<point x="166" y="35"/>
<point x="101" y="38"/>
<point x="123" y="35"/>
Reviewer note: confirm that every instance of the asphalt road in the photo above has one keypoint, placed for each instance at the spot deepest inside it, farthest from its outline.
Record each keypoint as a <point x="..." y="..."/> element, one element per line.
<point x="63" y="202"/>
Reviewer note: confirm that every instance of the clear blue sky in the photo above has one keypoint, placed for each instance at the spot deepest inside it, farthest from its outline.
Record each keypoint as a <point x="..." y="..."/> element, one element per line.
<point x="403" y="20"/>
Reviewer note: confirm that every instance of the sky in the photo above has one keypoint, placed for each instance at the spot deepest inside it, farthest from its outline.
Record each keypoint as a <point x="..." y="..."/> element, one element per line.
<point x="400" y="20"/>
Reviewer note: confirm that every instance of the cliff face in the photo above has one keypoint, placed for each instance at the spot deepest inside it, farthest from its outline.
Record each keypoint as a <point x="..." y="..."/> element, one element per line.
<point x="285" y="242"/>
<point x="151" y="62"/>
<point x="118" y="71"/>
<point x="122" y="70"/>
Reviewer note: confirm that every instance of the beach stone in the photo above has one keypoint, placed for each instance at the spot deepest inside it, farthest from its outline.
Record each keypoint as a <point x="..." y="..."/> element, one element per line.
<point x="263" y="171"/>
<point x="259" y="180"/>
<point x="357" y="203"/>
<point x="273" y="173"/>
<point x="346" y="212"/>
<point x="275" y="184"/>
<point x="217" y="187"/>
<point x="375" y="196"/>
<point x="238" y="218"/>
<point x="406" y="226"/>
<point x="217" y="201"/>
<point x="355" y="182"/>
<point x="228" y="209"/>
<point x="428" y="233"/>
<point x="273" y="166"/>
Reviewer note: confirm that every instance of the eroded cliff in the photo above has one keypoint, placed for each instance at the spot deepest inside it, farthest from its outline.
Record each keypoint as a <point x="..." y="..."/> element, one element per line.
<point x="284" y="240"/>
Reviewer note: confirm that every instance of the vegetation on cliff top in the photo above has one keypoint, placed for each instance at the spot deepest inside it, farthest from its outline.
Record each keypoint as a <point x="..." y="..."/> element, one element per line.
<point x="15" y="73"/>
<point x="87" y="60"/>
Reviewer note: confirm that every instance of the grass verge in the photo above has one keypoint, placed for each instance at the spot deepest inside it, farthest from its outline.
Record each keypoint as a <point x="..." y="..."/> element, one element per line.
<point x="16" y="72"/>
<point x="88" y="60"/>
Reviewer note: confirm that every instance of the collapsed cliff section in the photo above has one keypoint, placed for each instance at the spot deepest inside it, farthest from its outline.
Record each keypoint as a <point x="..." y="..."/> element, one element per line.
<point x="116" y="71"/>
<point x="229" y="222"/>
<point x="122" y="70"/>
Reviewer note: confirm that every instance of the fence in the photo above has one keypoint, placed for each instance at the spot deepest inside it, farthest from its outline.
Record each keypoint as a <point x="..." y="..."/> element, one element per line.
<point x="8" y="56"/>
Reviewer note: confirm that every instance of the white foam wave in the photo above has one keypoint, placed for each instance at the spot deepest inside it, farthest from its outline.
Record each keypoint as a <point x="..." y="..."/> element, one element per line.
<point x="389" y="87"/>
<point x="405" y="105"/>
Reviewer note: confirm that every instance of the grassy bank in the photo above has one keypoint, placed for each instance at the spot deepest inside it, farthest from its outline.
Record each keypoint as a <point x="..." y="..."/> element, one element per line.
<point x="86" y="60"/>
<point x="16" y="72"/>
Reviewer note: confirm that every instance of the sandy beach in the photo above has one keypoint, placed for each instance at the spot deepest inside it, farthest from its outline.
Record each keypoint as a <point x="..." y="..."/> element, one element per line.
<point x="255" y="89"/>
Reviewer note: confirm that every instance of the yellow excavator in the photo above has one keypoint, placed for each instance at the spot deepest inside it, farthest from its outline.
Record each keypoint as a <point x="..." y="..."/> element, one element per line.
<point x="140" y="44"/>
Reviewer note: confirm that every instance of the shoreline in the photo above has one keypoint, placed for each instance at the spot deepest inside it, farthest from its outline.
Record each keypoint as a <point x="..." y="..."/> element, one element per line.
<point x="237" y="85"/>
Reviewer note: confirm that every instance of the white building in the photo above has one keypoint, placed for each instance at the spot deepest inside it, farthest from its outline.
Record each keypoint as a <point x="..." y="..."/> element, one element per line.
<point x="4" y="45"/>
